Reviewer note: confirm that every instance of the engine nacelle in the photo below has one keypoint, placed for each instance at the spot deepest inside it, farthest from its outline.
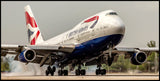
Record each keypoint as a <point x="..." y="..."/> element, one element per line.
<point x="27" y="55"/>
<point x="138" y="58"/>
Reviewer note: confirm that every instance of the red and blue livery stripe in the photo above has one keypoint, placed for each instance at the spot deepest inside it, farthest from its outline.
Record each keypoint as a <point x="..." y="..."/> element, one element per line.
<point x="92" y="19"/>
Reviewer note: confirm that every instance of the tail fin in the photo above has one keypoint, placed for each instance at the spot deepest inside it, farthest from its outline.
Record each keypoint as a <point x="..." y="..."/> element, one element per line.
<point x="34" y="34"/>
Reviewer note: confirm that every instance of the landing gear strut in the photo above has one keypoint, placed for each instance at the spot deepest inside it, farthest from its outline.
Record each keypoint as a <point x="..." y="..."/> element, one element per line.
<point x="110" y="60"/>
<point x="110" y="57"/>
<point x="50" y="70"/>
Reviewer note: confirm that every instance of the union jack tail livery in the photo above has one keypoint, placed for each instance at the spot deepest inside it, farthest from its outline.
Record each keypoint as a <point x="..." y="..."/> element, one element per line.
<point x="34" y="34"/>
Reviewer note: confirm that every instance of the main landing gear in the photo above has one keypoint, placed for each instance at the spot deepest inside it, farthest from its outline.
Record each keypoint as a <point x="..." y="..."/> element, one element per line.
<point x="62" y="72"/>
<point x="80" y="71"/>
<point x="100" y="71"/>
<point x="50" y="70"/>
<point x="53" y="69"/>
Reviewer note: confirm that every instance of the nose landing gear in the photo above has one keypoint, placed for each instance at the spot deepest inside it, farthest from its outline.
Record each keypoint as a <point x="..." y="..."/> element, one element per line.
<point x="110" y="57"/>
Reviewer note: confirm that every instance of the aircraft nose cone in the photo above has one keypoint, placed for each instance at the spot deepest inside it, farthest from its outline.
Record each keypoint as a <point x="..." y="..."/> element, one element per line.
<point x="119" y="27"/>
<point x="114" y="25"/>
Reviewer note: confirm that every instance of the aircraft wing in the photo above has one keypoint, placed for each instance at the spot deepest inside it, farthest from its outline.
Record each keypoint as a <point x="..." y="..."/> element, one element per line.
<point x="42" y="51"/>
<point x="128" y="51"/>
<point x="132" y="49"/>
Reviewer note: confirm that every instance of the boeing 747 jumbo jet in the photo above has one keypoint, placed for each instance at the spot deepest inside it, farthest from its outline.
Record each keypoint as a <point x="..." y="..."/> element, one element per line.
<point x="91" y="42"/>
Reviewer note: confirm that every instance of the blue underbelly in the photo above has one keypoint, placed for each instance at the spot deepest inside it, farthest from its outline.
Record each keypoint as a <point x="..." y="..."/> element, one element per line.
<point x="95" y="45"/>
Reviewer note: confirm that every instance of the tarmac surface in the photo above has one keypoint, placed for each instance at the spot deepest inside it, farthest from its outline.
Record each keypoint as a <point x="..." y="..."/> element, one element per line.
<point x="115" y="76"/>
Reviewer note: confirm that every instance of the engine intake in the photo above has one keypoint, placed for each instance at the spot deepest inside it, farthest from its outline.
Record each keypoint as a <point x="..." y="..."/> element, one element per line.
<point x="138" y="58"/>
<point x="27" y="55"/>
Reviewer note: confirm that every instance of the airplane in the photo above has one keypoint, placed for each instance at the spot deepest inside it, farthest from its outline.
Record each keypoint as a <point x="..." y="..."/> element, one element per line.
<point x="92" y="42"/>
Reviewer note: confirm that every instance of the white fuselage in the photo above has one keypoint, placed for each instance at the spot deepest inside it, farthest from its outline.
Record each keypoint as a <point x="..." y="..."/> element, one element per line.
<point x="105" y="24"/>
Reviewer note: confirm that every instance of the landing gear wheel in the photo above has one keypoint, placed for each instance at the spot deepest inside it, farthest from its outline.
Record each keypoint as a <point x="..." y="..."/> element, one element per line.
<point x="98" y="71"/>
<point x="49" y="68"/>
<point x="65" y="72"/>
<point x="103" y="72"/>
<point x="52" y="73"/>
<point x="83" y="72"/>
<point x="60" y="72"/>
<point x="80" y="72"/>
<point x="53" y="69"/>
<point x="77" y="72"/>
<point x="47" y="72"/>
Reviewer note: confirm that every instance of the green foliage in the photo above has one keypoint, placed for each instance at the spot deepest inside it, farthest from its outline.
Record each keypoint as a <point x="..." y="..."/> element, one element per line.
<point x="150" y="58"/>
<point x="142" y="67"/>
<point x="151" y="44"/>
<point x="132" y="66"/>
<point x="4" y="66"/>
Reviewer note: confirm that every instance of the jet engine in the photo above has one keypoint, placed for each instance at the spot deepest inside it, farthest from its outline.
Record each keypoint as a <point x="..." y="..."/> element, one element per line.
<point x="138" y="58"/>
<point x="27" y="55"/>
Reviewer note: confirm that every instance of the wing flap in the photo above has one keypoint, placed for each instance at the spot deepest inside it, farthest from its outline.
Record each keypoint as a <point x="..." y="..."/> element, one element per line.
<point x="8" y="49"/>
<point x="132" y="49"/>
<point x="61" y="48"/>
<point x="5" y="46"/>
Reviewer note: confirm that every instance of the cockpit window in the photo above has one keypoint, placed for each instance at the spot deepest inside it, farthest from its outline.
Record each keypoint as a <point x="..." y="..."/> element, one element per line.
<point x="112" y="13"/>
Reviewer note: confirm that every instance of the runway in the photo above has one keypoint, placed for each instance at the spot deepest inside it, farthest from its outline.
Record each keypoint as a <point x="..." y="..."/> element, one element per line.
<point x="87" y="77"/>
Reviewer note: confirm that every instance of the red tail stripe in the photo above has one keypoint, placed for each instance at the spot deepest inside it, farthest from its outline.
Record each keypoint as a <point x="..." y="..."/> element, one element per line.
<point x="92" y="19"/>
<point x="30" y="20"/>
<point x="33" y="41"/>
<point x="37" y="34"/>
